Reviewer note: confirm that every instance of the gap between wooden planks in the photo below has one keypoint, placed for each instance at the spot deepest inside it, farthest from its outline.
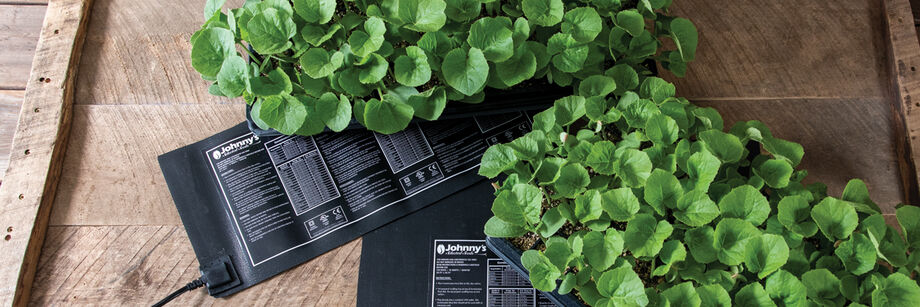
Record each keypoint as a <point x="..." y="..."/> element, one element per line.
<point x="38" y="147"/>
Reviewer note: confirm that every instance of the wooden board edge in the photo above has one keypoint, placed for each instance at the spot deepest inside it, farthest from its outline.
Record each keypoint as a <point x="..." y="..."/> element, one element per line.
<point x="27" y="192"/>
<point x="904" y="61"/>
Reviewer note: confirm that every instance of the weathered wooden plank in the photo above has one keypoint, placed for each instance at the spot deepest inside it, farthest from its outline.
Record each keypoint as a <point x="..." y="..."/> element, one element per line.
<point x="748" y="49"/>
<point x="10" y="101"/>
<point x="19" y="28"/>
<point x="843" y="139"/>
<point x="27" y="193"/>
<point x="786" y="48"/>
<point x="904" y="60"/>
<point x="111" y="176"/>
<point x="141" y="54"/>
<point x="138" y="265"/>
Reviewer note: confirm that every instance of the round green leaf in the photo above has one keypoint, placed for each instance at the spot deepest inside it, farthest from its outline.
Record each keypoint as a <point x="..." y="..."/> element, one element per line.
<point x="683" y="294"/>
<point x="631" y="21"/>
<point x="695" y="208"/>
<point x="713" y="296"/>
<point x="429" y="104"/>
<point x="209" y="49"/>
<point x="776" y="173"/>
<point x="374" y="70"/>
<point x="233" y="77"/>
<point x="601" y="159"/>
<point x="518" y="68"/>
<point x="275" y="83"/>
<point x="601" y="250"/>
<point x="387" y="116"/>
<point x="620" y="204"/>
<point x="543" y="12"/>
<point x="283" y="113"/>
<point x="465" y="71"/>
<point x="634" y="167"/>
<point x="685" y="36"/>
<point x="315" y="11"/>
<point x="753" y="295"/>
<point x="520" y="205"/>
<point x="747" y="203"/>
<point x="701" y="241"/>
<point x="766" y="254"/>
<point x="895" y="290"/>
<point x="858" y="254"/>
<point x="493" y="37"/>
<point x="497" y="159"/>
<point x="318" y="63"/>
<point x="623" y="287"/>
<point x="662" y="190"/>
<point x="784" y="287"/>
<point x="412" y="69"/>
<point x="596" y="85"/>
<point x="495" y="227"/>
<point x="270" y="31"/>
<point x="661" y="129"/>
<point x="422" y="15"/>
<point x="583" y="23"/>
<point x="836" y="218"/>
<point x="645" y="235"/>
<point x="573" y="178"/>
<point x="821" y="284"/>
<point x="731" y="238"/>
<point x="462" y="10"/>
<point x="794" y="213"/>
<point x="335" y="112"/>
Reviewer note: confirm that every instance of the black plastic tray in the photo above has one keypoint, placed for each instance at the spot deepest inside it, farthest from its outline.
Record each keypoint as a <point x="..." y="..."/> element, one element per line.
<point x="512" y="255"/>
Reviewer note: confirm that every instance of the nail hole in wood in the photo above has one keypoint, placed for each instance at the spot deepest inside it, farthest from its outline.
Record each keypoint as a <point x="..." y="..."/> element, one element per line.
<point x="8" y="237"/>
<point x="42" y="79"/>
<point x="21" y="196"/>
<point x="56" y="31"/>
<point x="913" y="68"/>
<point x="36" y="110"/>
<point x="9" y="229"/>
<point x="28" y="152"/>
<point x="47" y="80"/>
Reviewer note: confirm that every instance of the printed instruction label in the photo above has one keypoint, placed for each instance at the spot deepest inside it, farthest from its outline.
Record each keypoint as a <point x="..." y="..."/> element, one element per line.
<point x="466" y="273"/>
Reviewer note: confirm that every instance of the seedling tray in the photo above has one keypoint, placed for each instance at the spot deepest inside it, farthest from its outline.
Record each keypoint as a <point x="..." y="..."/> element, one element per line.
<point x="512" y="255"/>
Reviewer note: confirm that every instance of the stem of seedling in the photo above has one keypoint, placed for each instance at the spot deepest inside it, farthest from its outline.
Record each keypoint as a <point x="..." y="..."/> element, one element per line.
<point x="253" y="57"/>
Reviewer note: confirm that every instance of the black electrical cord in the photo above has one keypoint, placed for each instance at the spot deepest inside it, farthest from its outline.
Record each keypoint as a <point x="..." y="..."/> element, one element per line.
<point x="195" y="284"/>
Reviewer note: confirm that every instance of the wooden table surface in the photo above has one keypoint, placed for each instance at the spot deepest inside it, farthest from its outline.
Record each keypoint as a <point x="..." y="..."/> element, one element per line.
<point x="816" y="72"/>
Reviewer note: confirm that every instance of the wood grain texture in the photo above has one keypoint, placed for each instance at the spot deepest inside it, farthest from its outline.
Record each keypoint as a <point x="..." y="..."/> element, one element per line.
<point x="138" y="265"/>
<point x="111" y="175"/>
<point x="843" y="139"/>
<point x="10" y="101"/>
<point x="785" y="48"/>
<point x="138" y="53"/>
<point x="19" y="29"/>
<point x="27" y="193"/>
<point x="904" y="60"/>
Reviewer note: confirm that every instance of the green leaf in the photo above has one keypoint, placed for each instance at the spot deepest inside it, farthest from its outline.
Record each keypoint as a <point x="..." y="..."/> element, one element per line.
<point x="588" y="206"/>
<point x="775" y="173"/>
<point x="423" y="15"/>
<point x="634" y="167"/>
<point x="519" y="206"/>
<point x="724" y="146"/>
<point x="695" y="208"/>
<point x="856" y="192"/>
<point x="583" y="23"/>
<point x="685" y="36"/>
<point x="620" y="204"/>
<point x="625" y="77"/>
<point x="497" y="228"/>
<point x="765" y="254"/>
<point x="388" y="115"/>
<point x="211" y="7"/>
<point x="857" y="254"/>
<point x="710" y="118"/>
<point x="753" y="295"/>
<point x="596" y="85"/>
<point x="569" y="109"/>
<point x="731" y="239"/>
<point x="462" y="10"/>
<point x="747" y="203"/>
<point x="701" y="242"/>
<point x="317" y="35"/>
<point x="602" y="249"/>
<point x="466" y="72"/>
<point x="209" y="49"/>
<point x="493" y="37"/>
<point x="543" y="12"/>
<point x="836" y="218"/>
<point x="310" y="127"/>
<point x="682" y="294"/>
<point x="558" y="252"/>
<point x="895" y="290"/>
<point x="631" y="21"/>
<point x="795" y="214"/>
<point x="270" y="31"/>
<point x="277" y="82"/>
<point x="233" y="77"/>
<point x="568" y="55"/>
<point x="543" y="274"/>
<point x="283" y="113"/>
<point x="645" y="235"/>
<point x="656" y="89"/>
<point x="374" y="70"/>
<point x="661" y="129"/>
<point x="429" y="104"/>
<point x="601" y="159"/>
<point x="713" y="296"/>
<point x="909" y="219"/>
<point x="552" y="221"/>
<point x="821" y="284"/>
<point x="412" y="69"/>
<point x="702" y="167"/>
<point x="315" y="11"/>
<point x="782" y="149"/>
<point x="573" y="178"/>
<point x="785" y="288"/>
<point x="318" y="63"/>
<point x="363" y="43"/>
<point x="518" y="68"/>
<point x="568" y="283"/>
<point x="549" y="170"/>
<point x="334" y="112"/>
<point x="623" y="287"/>
<point x="662" y="190"/>
<point x="497" y="159"/>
